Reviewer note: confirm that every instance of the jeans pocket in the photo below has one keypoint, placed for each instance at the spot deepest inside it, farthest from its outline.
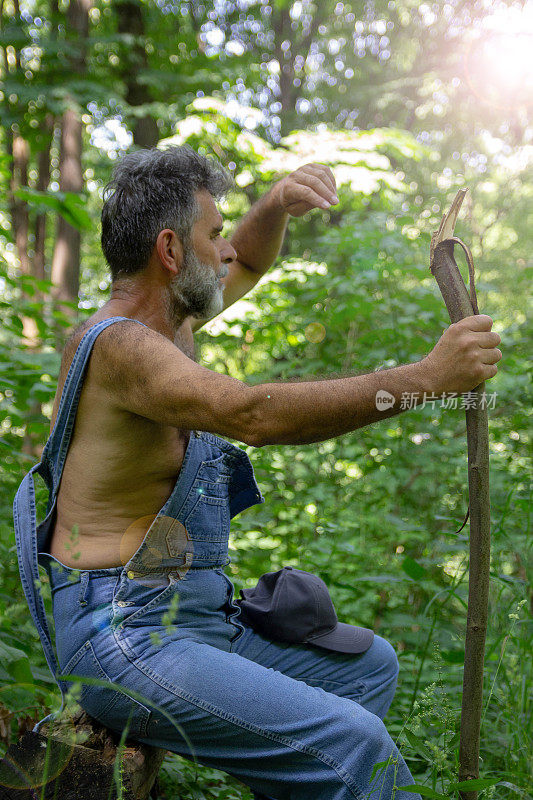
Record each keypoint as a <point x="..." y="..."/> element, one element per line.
<point x="109" y="706"/>
<point x="139" y="604"/>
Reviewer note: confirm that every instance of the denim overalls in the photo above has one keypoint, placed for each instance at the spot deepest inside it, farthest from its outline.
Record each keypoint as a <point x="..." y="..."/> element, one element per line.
<point x="289" y="720"/>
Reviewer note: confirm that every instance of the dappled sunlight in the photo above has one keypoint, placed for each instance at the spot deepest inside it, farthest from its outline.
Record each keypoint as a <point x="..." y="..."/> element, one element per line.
<point x="499" y="62"/>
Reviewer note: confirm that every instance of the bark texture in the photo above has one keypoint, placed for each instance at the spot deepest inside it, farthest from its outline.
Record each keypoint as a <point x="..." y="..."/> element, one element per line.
<point x="43" y="179"/>
<point x="459" y="305"/>
<point x="66" y="258"/>
<point x="77" y="759"/>
<point x="130" y="20"/>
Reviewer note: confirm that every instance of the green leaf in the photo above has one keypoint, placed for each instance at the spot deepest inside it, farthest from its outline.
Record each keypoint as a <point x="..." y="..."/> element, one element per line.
<point x="425" y="791"/>
<point x="518" y="789"/>
<point x="69" y="205"/>
<point x="75" y="206"/>
<point x="21" y="670"/>
<point x="475" y="783"/>
<point x="16" y="662"/>
<point x="418" y="744"/>
<point x="453" y="656"/>
<point x="412" y="568"/>
<point x="378" y="766"/>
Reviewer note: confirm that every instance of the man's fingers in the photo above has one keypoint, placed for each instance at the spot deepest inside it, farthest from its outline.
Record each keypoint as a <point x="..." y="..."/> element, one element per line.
<point x="310" y="186"/>
<point x="309" y="198"/>
<point x="319" y="187"/>
<point x="488" y="339"/>
<point x="491" y="356"/>
<point x="318" y="183"/>
<point x="477" y="322"/>
<point x="324" y="174"/>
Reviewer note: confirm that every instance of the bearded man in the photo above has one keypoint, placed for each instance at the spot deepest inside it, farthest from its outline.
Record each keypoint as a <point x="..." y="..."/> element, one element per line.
<point x="143" y="486"/>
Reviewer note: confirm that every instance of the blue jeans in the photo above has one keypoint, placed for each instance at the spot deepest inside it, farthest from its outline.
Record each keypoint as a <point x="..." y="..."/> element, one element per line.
<point x="291" y="721"/>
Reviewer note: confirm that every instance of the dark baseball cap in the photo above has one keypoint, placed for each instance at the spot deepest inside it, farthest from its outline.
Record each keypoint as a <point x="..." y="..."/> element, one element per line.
<point x="295" y="606"/>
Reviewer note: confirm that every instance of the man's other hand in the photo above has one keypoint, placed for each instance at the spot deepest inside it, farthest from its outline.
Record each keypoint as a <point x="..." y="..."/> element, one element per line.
<point x="308" y="187"/>
<point x="465" y="356"/>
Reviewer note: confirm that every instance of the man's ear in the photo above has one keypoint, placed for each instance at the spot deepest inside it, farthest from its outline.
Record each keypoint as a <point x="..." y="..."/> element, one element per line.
<point x="169" y="249"/>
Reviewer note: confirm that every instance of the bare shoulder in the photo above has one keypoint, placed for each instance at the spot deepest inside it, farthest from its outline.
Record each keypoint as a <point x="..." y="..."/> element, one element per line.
<point x="135" y="369"/>
<point x="69" y="350"/>
<point x="70" y="347"/>
<point x="138" y="370"/>
<point x="74" y="339"/>
<point x="128" y="342"/>
<point x="135" y="364"/>
<point x="113" y="350"/>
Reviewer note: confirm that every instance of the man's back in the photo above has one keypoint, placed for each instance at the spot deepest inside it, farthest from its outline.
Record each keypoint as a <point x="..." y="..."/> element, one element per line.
<point x="120" y="467"/>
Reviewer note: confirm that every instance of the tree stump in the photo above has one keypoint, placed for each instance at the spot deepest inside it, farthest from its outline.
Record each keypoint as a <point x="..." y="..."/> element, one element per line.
<point x="76" y="758"/>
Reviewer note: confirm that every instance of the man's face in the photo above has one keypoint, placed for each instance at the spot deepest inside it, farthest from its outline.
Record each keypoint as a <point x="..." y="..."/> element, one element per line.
<point x="198" y="288"/>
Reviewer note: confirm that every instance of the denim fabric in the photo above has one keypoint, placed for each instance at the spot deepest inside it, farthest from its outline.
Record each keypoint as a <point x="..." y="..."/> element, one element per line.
<point x="290" y="721"/>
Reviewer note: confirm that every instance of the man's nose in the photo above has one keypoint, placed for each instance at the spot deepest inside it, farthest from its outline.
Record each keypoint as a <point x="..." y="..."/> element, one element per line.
<point x="227" y="252"/>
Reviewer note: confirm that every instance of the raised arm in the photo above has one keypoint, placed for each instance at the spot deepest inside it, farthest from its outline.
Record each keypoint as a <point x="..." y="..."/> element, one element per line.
<point x="258" y="238"/>
<point x="144" y="373"/>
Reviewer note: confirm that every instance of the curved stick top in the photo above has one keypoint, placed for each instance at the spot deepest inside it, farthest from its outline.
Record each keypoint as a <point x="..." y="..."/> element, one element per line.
<point x="447" y="225"/>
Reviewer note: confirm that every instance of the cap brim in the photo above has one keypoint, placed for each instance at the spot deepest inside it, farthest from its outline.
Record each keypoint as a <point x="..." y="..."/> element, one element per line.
<point x="344" y="639"/>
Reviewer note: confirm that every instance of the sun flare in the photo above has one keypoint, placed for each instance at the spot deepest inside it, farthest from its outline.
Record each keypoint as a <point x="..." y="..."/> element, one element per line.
<point x="500" y="61"/>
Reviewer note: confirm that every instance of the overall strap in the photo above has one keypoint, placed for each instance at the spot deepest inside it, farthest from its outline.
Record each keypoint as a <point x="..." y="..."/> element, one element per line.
<point x="51" y="466"/>
<point x="24" y="516"/>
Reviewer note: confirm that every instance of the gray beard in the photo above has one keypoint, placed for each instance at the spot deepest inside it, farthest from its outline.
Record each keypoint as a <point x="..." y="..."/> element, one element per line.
<point x="196" y="291"/>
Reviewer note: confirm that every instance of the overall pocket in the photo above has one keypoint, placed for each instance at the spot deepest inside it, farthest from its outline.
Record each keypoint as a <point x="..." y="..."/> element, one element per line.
<point x="109" y="706"/>
<point x="208" y="520"/>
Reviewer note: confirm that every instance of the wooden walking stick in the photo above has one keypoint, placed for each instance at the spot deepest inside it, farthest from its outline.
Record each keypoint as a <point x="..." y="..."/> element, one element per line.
<point x="460" y="304"/>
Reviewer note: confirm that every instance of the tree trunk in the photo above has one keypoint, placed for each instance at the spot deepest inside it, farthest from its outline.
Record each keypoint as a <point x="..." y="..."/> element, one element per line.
<point x="19" y="150"/>
<point x="43" y="179"/>
<point x="66" y="258"/>
<point x="32" y="446"/>
<point x="299" y="46"/>
<point x="130" y="20"/>
<point x="281" y="24"/>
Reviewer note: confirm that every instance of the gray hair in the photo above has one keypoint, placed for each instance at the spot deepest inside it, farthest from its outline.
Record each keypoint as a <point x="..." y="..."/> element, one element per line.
<point x="151" y="190"/>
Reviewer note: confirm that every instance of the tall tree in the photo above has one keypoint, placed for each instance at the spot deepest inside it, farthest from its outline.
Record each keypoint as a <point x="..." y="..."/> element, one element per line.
<point x="134" y="60"/>
<point x="18" y="149"/>
<point x="26" y="146"/>
<point x="66" y="258"/>
<point x="43" y="180"/>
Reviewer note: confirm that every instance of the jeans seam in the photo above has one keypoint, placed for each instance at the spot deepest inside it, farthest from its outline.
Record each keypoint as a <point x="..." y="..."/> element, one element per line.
<point x="87" y="647"/>
<point x="339" y="769"/>
<point x="359" y="688"/>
